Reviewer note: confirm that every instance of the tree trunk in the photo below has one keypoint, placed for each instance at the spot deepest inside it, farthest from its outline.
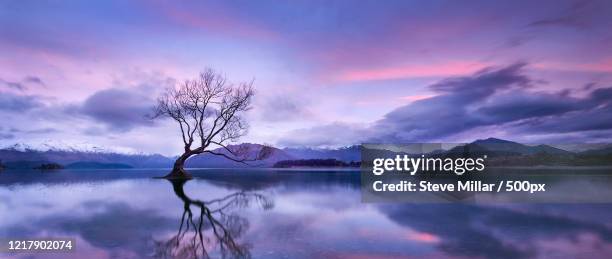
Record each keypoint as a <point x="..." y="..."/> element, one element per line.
<point x="178" y="170"/>
<point x="177" y="186"/>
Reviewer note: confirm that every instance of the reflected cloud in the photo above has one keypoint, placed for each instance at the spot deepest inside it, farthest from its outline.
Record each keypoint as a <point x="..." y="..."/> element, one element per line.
<point x="492" y="232"/>
<point x="109" y="225"/>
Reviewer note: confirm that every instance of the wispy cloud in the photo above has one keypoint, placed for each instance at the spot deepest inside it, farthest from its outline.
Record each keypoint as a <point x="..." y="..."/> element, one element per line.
<point x="23" y="84"/>
<point x="18" y="103"/>
<point x="119" y="109"/>
<point x="411" y="71"/>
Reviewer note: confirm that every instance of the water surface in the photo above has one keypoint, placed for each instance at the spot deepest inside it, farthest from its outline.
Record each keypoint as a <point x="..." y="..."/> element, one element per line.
<point x="280" y="214"/>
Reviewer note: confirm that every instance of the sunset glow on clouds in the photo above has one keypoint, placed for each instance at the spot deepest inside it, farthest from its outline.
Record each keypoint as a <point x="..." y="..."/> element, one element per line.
<point x="436" y="70"/>
<point x="86" y="72"/>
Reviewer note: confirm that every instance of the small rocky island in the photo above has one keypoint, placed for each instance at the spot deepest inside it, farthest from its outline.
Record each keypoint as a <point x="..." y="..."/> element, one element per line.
<point x="49" y="166"/>
<point x="315" y="163"/>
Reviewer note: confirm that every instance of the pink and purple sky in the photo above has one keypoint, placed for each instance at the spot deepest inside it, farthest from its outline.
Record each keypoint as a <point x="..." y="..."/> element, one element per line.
<point x="327" y="73"/>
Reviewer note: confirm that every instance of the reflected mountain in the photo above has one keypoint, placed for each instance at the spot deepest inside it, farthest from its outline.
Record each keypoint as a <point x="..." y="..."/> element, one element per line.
<point x="211" y="225"/>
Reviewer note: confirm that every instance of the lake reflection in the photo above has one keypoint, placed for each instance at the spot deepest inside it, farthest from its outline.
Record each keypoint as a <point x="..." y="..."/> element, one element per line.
<point x="280" y="214"/>
<point x="215" y="215"/>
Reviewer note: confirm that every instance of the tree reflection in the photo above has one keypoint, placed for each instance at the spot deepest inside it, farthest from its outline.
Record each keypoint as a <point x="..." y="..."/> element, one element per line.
<point x="216" y="225"/>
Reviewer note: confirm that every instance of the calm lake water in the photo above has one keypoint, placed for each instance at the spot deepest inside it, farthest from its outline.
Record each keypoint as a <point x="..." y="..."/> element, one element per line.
<point x="280" y="214"/>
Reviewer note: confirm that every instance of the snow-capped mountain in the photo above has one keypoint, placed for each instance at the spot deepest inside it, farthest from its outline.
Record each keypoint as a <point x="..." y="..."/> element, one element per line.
<point x="66" y="153"/>
<point x="67" y="146"/>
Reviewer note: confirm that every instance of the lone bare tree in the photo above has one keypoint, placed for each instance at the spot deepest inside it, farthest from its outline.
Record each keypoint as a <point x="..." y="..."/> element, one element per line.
<point x="209" y="111"/>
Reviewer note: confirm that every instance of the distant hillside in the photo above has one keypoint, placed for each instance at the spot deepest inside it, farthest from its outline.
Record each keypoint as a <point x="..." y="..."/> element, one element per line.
<point x="97" y="165"/>
<point x="602" y="151"/>
<point x="346" y="154"/>
<point x="500" y="145"/>
<point x="501" y="152"/>
<point x="14" y="158"/>
<point x="507" y="153"/>
<point x="23" y="157"/>
<point x="214" y="161"/>
<point x="315" y="163"/>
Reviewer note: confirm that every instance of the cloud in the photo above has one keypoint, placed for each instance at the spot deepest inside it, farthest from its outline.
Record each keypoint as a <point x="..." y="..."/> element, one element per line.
<point x="213" y="18"/>
<point x="42" y="131"/>
<point x="45" y="130"/>
<point x="451" y="111"/>
<point x="582" y="121"/>
<point x="283" y="108"/>
<point x="602" y="66"/>
<point x="18" y="103"/>
<point x="569" y="21"/>
<point x="22" y="85"/>
<point x="489" y="232"/>
<point x="331" y="135"/>
<point x="503" y="98"/>
<point x="541" y="113"/>
<point x="13" y="85"/>
<point x="118" y="109"/>
<point x="492" y="98"/>
<point x="411" y="71"/>
<point x="520" y="105"/>
<point x="6" y="135"/>
<point x="34" y="80"/>
<point x="576" y="16"/>
<point x="341" y="49"/>
<point x="107" y="233"/>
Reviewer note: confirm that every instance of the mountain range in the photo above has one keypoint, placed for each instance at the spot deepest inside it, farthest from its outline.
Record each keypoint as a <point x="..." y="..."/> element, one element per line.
<point x="26" y="156"/>
<point x="23" y="156"/>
